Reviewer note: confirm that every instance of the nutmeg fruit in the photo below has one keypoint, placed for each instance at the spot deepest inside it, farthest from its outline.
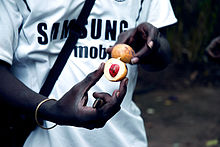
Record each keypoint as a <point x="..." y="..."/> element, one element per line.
<point x="115" y="70"/>
<point x="123" y="52"/>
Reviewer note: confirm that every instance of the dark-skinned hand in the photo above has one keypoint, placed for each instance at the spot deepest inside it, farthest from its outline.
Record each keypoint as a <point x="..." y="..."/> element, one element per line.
<point x="213" y="50"/>
<point x="143" y="39"/>
<point x="71" y="109"/>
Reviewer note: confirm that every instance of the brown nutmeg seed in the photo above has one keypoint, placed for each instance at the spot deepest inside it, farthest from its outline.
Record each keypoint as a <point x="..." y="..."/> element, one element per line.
<point x="123" y="52"/>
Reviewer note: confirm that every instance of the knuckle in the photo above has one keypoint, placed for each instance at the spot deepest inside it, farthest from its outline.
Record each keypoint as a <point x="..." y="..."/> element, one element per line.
<point x="90" y="77"/>
<point x="122" y="35"/>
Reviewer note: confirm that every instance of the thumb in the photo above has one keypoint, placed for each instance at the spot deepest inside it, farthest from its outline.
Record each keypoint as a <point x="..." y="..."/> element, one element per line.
<point x="144" y="51"/>
<point x="92" y="78"/>
<point x="109" y="50"/>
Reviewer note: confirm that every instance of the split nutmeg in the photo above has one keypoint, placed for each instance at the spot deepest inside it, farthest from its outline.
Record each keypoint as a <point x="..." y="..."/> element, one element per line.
<point x="115" y="68"/>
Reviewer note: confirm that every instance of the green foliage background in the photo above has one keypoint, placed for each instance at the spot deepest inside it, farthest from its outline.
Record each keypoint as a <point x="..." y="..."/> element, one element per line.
<point x="198" y="23"/>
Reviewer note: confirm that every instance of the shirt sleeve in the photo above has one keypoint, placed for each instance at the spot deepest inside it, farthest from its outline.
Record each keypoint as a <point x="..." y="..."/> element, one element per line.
<point x="10" y="21"/>
<point x="161" y="13"/>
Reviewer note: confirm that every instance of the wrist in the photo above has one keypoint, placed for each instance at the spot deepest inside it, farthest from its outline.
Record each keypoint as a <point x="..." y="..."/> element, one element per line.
<point x="46" y="110"/>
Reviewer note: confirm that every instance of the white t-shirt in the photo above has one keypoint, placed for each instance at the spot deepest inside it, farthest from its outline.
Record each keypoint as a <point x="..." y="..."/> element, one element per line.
<point x="34" y="31"/>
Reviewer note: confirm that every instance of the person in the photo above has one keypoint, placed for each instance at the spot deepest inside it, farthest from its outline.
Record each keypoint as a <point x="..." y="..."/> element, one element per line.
<point x="213" y="50"/>
<point x="32" y="34"/>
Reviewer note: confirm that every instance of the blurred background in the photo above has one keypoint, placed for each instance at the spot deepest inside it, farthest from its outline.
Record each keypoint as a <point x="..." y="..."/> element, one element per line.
<point x="180" y="105"/>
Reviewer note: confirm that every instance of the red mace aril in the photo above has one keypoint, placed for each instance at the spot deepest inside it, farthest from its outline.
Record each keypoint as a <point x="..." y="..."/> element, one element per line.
<point x="113" y="70"/>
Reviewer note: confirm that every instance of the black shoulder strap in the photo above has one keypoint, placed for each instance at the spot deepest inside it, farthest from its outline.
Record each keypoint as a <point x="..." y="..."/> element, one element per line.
<point x="71" y="41"/>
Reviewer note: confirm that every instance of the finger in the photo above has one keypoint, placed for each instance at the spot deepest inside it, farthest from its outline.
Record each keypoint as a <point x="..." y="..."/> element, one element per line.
<point x="151" y="37"/>
<point x="102" y="95"/>
<point x="109" y="109"/>
<point x="148" y="32"/>
<point x="84" y="100"/>
<point x="98" y="103"/>
<point x="126" y="37"/>
<point x="150" y="44"/>
<point x="213" y="50"/>
<point x="103" y="98"/>
<point x="117" y="96"/>
<point x="122" y="90"/>
<point x="144" y="51"/>
<point x="113" y="102"/>
<point x="109" y="50"/>
<point x="92" y="78"/>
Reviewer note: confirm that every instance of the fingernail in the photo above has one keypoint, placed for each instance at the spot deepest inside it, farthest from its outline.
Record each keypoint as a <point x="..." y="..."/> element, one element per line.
<point x="134" y="60"/>
<point x="117" y="94"/>
<point x="98" y="103"/>
<point x="150" y="44"/>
